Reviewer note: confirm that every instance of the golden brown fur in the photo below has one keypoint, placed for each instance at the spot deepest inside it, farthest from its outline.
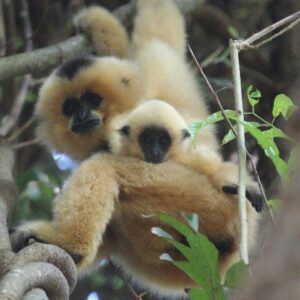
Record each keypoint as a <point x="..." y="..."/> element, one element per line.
<point x="117" y="81"/>
<point x="119" y="198"/>
<point x="101" y="209"/>
<point x="94" y="21"/>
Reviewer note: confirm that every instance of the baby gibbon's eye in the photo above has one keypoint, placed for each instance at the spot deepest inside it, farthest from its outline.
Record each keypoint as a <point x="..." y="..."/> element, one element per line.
<point x="165" y="141"/>
<point x="69" y="106"/>
<point x="92" y="98"/>
<point x="147" y="139"/>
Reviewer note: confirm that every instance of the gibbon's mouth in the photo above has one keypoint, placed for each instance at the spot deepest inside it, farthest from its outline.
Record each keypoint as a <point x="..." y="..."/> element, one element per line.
<point x="86" y="126"/>
<point x="155" y="159"/>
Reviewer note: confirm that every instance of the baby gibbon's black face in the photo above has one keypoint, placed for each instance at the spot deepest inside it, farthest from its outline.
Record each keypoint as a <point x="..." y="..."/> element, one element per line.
<point x="155" y="143"/>
<point x="80" y="109"/>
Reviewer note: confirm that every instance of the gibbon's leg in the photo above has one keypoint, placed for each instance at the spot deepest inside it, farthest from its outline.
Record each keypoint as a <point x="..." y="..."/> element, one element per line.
<point x="108" y="35"/>
<point x="159" y="19"/>
<point x="81" y="213"/>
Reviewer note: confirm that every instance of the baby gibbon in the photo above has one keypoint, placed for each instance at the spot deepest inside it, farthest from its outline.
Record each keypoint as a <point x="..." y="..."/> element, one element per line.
<point x="155" y="132"/>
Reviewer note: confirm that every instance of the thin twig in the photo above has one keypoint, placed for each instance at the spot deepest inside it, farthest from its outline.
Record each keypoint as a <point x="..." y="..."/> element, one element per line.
<point x="25" y="144"/>
<point x="274" y="36"/>
<point x="216" y="97"/>
<point x="212" y="57"/>
<point x="20" y="130"/>
<point x="291" y="18"/>
<point x="134" y="293"/>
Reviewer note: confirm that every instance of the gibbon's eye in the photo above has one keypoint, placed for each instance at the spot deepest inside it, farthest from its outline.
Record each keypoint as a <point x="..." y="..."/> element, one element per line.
<point x="125" y="130"/>
<point x="185" y="134"/>
<point x="92" y="98"/>
<point x="165" y="141"/>
<point x="69" y="106"/>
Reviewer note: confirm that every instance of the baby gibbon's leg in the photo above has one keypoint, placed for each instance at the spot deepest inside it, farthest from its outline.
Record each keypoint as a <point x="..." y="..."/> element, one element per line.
<point x="81" y="213"/>
<point x="159" y="19"/>
<point x="108" y="35"/>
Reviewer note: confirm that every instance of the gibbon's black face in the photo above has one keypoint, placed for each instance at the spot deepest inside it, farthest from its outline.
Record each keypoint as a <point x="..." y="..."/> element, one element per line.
<point x="80" y="110"/>
<point x="155" y="143"/>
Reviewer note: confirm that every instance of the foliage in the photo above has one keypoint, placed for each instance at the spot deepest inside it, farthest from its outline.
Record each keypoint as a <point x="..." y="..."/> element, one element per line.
<point x="261" y="130"/>
<point x="201" y="262"/>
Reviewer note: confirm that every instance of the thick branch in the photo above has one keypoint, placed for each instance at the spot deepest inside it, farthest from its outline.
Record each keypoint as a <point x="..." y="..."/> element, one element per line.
<point x="43" y="60"/>
<point x="8" y="191"/>
<point x="16" y="283"/>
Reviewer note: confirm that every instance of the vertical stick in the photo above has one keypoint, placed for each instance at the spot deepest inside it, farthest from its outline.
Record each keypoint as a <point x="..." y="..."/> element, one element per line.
<point x="234" y="52"/>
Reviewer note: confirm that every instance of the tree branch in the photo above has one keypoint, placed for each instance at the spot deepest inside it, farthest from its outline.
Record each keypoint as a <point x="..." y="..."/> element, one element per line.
<point x="45" y="59"/>
<point x="241" y="151"/>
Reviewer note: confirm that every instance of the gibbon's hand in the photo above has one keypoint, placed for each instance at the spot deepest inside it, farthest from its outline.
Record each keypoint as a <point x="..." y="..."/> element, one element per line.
<point x="21" y="238"/>
<point x="253" y="194"/>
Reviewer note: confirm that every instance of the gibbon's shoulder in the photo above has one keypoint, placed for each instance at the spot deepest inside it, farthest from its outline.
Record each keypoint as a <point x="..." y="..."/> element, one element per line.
<point x="108" y="35"/>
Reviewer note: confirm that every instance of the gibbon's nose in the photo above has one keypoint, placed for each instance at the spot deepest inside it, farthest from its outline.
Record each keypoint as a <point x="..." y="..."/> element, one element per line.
<point x="82" y="114"/>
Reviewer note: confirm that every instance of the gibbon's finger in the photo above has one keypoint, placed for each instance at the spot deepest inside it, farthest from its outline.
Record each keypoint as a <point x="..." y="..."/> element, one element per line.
<point x="20" y="239"/>
<point x="253" y="195"/>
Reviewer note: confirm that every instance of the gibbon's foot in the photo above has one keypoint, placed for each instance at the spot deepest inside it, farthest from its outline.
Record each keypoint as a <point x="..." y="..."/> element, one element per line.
<point x="20" y="239"/>
<point x="252" y="193"/>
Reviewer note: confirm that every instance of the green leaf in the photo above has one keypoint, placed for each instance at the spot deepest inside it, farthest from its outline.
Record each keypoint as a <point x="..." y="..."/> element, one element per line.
<point x="283" y="105"/>
<point x="195" y="127"/>
<point x="166" y="256"/>
<point x="292" y="161"/>
<point x="236" y="275"/>
<point x="253" y="96"/>
<point x="198" y="294"/>
<point x="266" y="142"/>
<point x="192" y="220"/>
<point x="233" y="32"/>
<point x="275" y="204"/>
<point x="201" y="255"/>
<point x="161" y="233"/>
<point x="229" y="136"/>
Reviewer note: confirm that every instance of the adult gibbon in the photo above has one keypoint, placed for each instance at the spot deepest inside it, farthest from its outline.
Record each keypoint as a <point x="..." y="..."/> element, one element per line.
<point x="100" y="212"/>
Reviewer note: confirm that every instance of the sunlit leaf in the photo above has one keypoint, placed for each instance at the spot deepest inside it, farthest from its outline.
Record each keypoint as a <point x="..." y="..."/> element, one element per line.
<point x="265" y="140"/>
<point x="201" y="255"/>
<point x="198" y="294"/>
<point x="253" y="96"/>
<point x="283" y="105"/>
<point x="230" y="136"/>
<point x="236" y="275"/>
<point x="192" y="220"/>
<point x="233" y="32"/>
<point x="166" y="256"/>
<point x="161" y="233"/>
<point x="195" y="127"/>
<point x="275" y="204"/>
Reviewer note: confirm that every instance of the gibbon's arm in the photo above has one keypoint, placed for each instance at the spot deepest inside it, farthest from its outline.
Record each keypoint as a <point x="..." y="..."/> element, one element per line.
<point x="81" y="213"/>
<point x="109" y="189"/>
<point x="108" y="35"/>
<point x="159" y="19"/>
<point x="223" y="175"/>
